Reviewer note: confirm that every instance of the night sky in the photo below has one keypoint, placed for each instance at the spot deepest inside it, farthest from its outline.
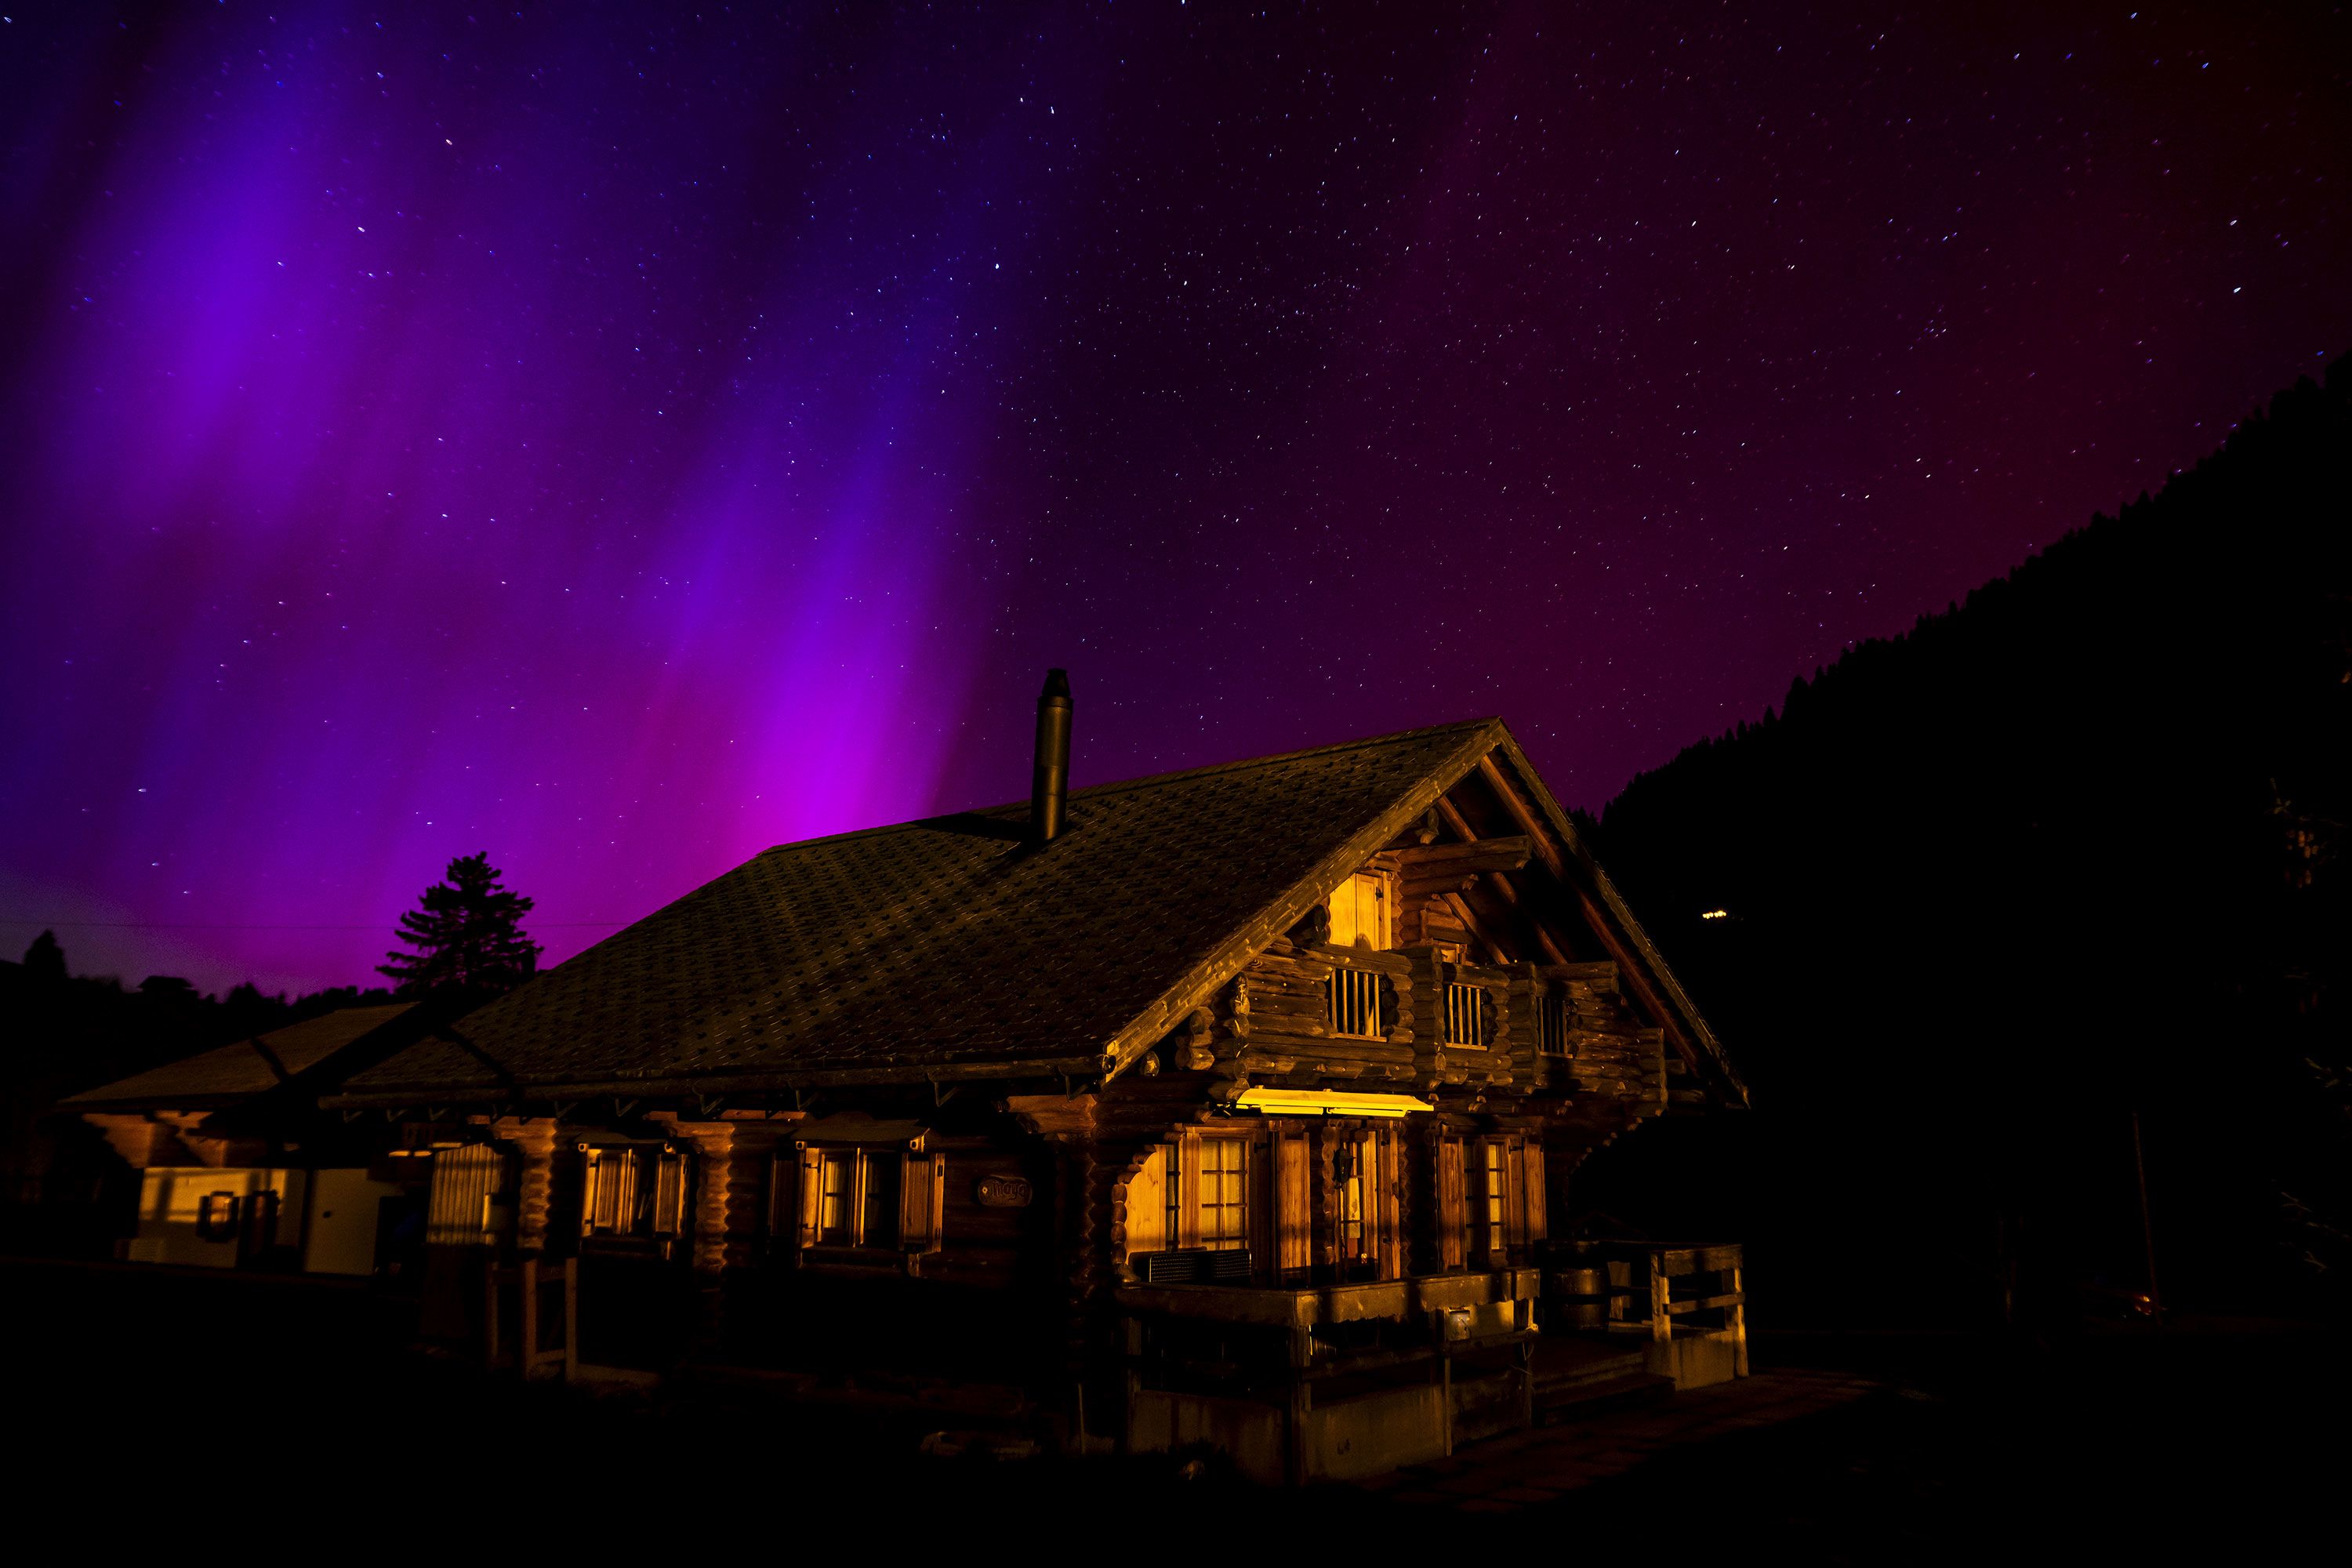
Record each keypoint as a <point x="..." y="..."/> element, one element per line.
<point x="623" y="443"/>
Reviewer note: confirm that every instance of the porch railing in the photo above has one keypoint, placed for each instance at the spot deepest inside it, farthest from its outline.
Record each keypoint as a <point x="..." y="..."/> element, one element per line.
<point x="1466" y="1014"/>
<point x="1655" y="1292"/>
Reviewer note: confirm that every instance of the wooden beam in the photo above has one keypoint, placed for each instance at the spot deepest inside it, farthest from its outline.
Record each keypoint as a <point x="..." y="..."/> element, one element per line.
<point x="1474" y="854"/>
<point x="1554" y="859"/>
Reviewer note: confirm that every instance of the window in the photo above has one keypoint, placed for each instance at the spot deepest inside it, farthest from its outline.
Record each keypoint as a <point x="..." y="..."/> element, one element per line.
<point x="840" y="1185"/>
<point x="1360" y="911"/>
<point x="870" y="1199"/>
<point x="632" y="1190"/>
<point x="1224" y="1194"/>
<point x="1493" y="1189"/>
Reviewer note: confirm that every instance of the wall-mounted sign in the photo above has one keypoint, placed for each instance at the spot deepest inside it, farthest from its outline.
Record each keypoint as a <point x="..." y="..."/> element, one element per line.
<point x="1002" y="1192"/>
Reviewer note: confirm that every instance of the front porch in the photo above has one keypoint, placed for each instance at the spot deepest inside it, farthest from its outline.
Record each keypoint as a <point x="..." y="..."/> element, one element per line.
<point x="1685" y="1304"/>
<point x="1343" y="1382"/>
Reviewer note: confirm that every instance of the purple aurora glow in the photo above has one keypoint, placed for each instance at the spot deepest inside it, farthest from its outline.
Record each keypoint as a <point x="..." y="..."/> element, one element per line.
<point x="623" y="444"/>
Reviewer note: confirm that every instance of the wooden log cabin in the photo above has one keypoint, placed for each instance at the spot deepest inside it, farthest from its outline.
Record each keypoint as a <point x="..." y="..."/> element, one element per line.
<point x="1229" y="1106"/>
<point x="238" y="1166"/>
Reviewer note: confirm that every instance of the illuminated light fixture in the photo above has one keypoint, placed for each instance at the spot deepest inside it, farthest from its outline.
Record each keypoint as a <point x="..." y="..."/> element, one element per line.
<point x="1319" y="1102"/>
<point x="1715" y="914"/>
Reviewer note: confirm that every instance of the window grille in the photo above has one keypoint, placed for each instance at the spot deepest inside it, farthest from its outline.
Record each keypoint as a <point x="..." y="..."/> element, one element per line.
<point x="1551" y="1024"/>
<point x="1224" y="1208"/>
<point x="1492" y="1172"/>
<point x="1465" y="1015"/>
<point x="1356" y="1003"/>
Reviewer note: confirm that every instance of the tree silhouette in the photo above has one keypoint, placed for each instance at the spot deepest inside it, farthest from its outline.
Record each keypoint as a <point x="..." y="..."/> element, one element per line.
<point x="44" y="961"/>
<point x="468" y="935"/>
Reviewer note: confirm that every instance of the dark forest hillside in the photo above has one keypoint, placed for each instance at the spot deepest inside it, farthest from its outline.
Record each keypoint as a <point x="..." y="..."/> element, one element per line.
<point x="2072" y="849"/>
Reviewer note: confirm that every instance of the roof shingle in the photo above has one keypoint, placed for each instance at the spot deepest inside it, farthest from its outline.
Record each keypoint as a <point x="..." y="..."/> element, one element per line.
<point x="943" y="946"/>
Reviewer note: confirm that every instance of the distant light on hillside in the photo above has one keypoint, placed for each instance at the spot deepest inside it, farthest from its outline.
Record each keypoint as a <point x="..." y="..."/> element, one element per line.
<point x="1715" y="914"/>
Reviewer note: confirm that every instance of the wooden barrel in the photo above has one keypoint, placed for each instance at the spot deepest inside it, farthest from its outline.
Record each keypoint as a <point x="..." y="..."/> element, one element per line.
<point x="1576" y="1297"/>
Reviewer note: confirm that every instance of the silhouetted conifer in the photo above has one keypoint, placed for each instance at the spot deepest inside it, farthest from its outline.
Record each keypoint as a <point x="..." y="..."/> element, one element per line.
<point x="467" y="934"/>
<point x="44" y="961"/>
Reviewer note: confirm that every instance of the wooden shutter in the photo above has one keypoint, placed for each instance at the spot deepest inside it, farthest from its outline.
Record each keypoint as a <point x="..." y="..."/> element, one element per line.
<point x="1452" y="1210"/>
<point x="1147" y="1204"/>
<point x="1293" y="1226"/>
<point x="1387" y="1146"/>
<point x="922" y="1194"/>
<point x="812" y="1190"/>
<point x="1187" y="1177"/>
<point x="1515" y="1194"/>
<point x="669" y="1193"/>
<point x="783" y="1198"/>
<point x="1531" y="1183"/>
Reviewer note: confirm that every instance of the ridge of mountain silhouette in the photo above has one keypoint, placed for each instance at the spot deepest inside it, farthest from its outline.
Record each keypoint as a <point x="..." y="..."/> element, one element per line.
<point x="2069" y="851"/>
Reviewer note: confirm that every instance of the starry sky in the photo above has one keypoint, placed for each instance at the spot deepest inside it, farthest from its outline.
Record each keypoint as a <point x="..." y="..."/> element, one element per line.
<point x="622" y="439"/>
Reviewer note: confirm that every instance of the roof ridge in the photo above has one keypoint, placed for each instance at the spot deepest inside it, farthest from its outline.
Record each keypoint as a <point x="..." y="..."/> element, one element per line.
<point x="1361" y="743"/>
<point x="1236" y="766"/>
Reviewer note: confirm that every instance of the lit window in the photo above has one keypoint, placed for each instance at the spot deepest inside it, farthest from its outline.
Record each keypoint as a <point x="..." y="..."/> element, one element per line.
<point x="629" y="1190"/>
<point x="833" y="1211"/>
<point x="1492" y="1194"/>
<point x="885" y="1198"/>
<point x="1224" y="1194"/>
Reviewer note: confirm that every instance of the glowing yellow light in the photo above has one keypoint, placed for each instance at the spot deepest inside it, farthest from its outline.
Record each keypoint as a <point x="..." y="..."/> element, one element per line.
<point x="1715" y="914"/>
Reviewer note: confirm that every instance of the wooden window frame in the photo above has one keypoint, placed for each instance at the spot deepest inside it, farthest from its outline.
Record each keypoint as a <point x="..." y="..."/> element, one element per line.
<point x="1491" y="1213"/>
<point x="914" y="1218"/>
<point x="1189" y="1146"/>
<point x="633" y="1191"/>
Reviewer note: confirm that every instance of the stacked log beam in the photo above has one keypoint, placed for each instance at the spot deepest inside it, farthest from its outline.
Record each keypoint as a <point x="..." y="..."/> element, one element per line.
<point x="1438" y="1064"/>
<point x="534" y="1141"/>
<point x="1274" y="1019"/>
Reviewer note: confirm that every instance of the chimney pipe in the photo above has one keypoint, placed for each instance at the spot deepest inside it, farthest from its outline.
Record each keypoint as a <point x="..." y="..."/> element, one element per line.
<point x="1049" y="785"/>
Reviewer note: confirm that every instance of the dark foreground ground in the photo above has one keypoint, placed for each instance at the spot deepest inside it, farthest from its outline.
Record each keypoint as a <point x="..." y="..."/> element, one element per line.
<point x="289" y="1413"/>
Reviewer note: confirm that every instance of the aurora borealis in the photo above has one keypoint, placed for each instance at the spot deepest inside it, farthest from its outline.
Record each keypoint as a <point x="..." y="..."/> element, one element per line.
<point x="620" y="438"/>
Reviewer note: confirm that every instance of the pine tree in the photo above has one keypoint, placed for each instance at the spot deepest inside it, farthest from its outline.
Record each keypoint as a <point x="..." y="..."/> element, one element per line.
<point x="44" y="961"/>
<point x="468" y="935"/>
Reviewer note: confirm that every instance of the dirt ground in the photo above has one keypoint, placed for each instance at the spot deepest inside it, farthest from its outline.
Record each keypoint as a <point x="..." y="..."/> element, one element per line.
<point x="293" y="1411"/>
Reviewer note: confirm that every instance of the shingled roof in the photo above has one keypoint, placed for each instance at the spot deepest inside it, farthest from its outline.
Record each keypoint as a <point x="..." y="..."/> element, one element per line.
<point x="240" y="1072"/>
<point x="951" y="948"/>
